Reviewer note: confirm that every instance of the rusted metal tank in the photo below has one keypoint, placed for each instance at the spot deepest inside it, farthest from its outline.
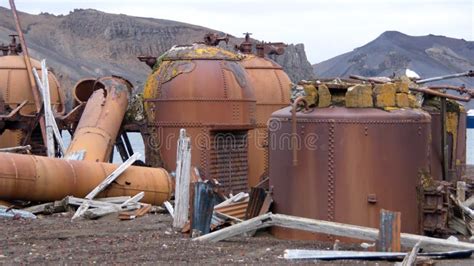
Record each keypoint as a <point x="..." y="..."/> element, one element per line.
<point x="351" y="162"/>
<point x="15" y="88"/>
<point x="272" y="91"/>
<point x="38" y="178"/>
<point x="100" y="122"/>
<point x="205" y="90"/>
<point x="455" y="126"/>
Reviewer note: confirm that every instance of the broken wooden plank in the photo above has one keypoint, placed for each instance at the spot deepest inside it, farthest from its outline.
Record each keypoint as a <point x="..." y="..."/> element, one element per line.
<point x="15" y="214"/>
<point x="365" y="233"/>
<point x="144" y="209"/>
<point x="116" y="200"/>
<point x="48" y="208"/>
<point x="183" y="176"/>
<point x="241" y="196"/>
<point x="134" y="199"/>
<point x="16" y="149"/>
<point x="104" y="184"/>
<point x="96" y="213"/>
<point x="331" y="228"/>
<point x="461" y="191"/>
<point x="389" y="231"/>
<point x="367" y="255"/>
<point x="70" y="200"/>
<point x="169" y="208"/>
<point x="114" y="175"/>
<point x="410" y="258"/>
<point x="469" y="202"/>
<point x="237" y="229"/>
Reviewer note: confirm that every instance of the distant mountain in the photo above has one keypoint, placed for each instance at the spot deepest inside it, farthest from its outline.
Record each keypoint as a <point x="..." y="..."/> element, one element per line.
<point x="88" y="43"/>
<point x="393" y="51"/>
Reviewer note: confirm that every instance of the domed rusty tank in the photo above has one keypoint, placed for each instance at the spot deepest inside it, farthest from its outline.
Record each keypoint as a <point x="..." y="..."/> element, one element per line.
<point x="15" y="89"/>
<point x="346" y="164"/>
<point x="272" y="92"/>
<point x="205" y="90"/>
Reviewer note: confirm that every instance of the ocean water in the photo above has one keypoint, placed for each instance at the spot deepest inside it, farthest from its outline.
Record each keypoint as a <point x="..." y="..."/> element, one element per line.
<point x="136" y="141"/>
<point x="470" y="146"/>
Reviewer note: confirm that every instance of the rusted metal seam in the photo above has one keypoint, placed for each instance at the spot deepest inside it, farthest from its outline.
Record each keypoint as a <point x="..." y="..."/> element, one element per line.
<point x="331" y="174"/>
<point x="313" y="121"/>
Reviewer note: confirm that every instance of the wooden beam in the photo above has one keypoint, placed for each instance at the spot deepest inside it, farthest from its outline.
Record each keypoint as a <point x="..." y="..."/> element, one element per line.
<point x="410" y="258"/>
<point x="49" y="129"/>
<point x="104" y="184"/>
<point x="332" y="228"/>
<point x="114" y="175"/>
<point x="461" y="191"/>
<point x="15" y="149"/>
<point x="183" y="177"/>
<point x="169" y="208"/>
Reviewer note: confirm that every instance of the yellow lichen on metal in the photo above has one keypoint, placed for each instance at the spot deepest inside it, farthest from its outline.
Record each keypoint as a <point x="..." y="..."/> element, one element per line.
<point x="200" y="51"/>
<point x="452" y="121"/>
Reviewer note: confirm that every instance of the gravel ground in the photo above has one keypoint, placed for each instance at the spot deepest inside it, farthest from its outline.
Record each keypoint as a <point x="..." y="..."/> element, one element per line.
<point x="54" y="239"/>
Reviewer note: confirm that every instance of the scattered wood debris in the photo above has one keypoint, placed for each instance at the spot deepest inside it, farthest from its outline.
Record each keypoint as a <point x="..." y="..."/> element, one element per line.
<point x="331" y="228"/>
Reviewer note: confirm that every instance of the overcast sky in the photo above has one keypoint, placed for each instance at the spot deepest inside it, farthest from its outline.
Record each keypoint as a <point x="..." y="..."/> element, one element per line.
<point x="327" y="28"/>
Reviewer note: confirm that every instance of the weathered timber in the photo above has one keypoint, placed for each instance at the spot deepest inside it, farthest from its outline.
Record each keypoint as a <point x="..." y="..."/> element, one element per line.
<point x="332" y="228"/>
<point x="107" y="181"/>
<point x="410" y="258"/>
<point x="183" y="176"/>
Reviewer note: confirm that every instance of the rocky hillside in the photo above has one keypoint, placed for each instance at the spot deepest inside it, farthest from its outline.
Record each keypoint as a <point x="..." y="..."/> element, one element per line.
<point x="89" y="43"/>
<point x="393" y="51"/>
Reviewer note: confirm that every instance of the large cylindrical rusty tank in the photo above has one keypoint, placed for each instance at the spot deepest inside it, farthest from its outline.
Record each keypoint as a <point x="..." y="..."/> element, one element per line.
<point x="37" y="178"/>
<point x="205" y="90"/>
<point x="15" y="88"/>
<point x="107" y="101"/>
<point x="272" y="91"/>
<point x="351" y="162"/>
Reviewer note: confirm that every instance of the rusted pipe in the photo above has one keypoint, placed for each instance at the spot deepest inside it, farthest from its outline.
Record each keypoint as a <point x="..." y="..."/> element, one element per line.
<point x="440" y="94"/>
<point x="100" y="122"/>
<point x="38" y="178"/>
<point x="294" y="133"/>
<point x="469" y="73"/>
<point x="29" y="70"/>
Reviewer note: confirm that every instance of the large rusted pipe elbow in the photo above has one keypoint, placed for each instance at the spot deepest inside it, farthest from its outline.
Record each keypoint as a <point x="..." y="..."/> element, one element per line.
<point x="107" y="102"/>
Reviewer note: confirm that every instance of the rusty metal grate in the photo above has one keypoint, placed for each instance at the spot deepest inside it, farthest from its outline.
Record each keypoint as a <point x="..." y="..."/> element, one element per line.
<point x="229" y="160"/>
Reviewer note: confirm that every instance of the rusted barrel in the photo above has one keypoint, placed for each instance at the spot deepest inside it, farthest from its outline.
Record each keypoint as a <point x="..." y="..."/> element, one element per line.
<point x="37" y="178"/>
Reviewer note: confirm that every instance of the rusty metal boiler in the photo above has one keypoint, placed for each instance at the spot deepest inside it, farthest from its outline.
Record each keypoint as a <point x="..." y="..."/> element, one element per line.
<point x="351" y="162"/>
<point x="205" y="90"/>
